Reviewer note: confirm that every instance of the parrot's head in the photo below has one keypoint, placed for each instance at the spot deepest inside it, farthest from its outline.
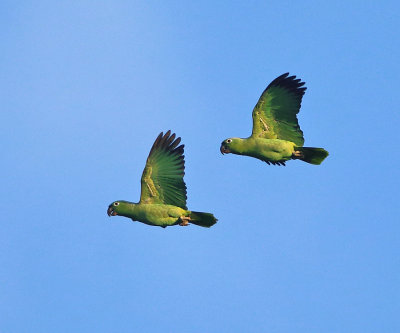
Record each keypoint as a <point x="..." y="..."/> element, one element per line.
<point x="119" y="207"/>
<point x="230" y="145"/>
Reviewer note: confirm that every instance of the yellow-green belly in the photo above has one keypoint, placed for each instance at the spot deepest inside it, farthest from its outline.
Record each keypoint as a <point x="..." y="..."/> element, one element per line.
<point x="274" y="150"/>
<point x="159" y="215"/>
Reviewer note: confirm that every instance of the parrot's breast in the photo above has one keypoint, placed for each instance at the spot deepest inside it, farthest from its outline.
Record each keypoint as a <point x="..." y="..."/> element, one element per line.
<point x="270" y="149"/>
<point x="158" y="214"/>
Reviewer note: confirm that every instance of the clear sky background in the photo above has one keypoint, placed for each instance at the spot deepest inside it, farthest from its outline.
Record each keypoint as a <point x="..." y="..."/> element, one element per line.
<point x="86" y="86"/>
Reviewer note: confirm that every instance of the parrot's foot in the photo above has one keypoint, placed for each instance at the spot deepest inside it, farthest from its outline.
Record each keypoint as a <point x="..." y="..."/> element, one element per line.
<point x="184" y="221"/>
<point x="276" y="163"/>
<point x="297" y="154"/>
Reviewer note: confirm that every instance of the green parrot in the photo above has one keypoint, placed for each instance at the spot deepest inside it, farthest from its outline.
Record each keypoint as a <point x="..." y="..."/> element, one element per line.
<point x="276" y="136"/>
<point x="163" y="190"/>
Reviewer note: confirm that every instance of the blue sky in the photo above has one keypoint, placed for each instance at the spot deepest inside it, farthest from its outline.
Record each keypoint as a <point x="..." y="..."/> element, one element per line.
<point x="87" y="86"/>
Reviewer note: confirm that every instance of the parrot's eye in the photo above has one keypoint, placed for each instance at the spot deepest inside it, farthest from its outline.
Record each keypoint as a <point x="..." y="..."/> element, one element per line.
<point x="229" y="141"/>
<point x="116" y="203"/>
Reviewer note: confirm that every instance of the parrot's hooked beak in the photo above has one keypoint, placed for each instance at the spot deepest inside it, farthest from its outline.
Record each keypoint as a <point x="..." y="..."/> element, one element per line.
<point x="224" y="150"/>
<point x="110" y="211"/>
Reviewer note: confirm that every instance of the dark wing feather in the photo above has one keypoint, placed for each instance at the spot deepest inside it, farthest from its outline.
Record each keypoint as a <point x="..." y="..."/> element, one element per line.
<point x="275" y="114"/>
<point x="162" y="179"/>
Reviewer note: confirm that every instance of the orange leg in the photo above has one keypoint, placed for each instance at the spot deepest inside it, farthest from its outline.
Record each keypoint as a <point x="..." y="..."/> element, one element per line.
<point x="184" y="221"/>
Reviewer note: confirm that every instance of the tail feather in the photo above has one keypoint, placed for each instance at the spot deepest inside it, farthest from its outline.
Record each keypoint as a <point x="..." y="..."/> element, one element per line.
<point x="311" y="155"/>
<point x="202" y="219"/>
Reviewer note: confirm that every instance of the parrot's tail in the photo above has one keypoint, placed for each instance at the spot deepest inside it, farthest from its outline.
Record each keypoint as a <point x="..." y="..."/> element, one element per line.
<point x="310" y="155"/>
<point x="202" y="219"/>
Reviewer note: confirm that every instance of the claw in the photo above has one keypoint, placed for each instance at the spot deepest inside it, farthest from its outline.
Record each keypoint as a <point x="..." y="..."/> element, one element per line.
<point x="185" y="221"/>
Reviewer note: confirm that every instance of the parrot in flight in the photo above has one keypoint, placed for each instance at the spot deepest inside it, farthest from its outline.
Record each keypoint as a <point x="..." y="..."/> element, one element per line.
<point x="163" y="190"/>
<point x="276" y="136"/>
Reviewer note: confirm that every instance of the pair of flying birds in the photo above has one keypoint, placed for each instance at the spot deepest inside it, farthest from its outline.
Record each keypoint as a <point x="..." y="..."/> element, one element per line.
<point x="276" y="138"/>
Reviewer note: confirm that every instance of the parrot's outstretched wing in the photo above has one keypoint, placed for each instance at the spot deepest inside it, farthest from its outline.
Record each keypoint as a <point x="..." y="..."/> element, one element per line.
<point x="162" y="178"/>
<point x="274" y="116"/>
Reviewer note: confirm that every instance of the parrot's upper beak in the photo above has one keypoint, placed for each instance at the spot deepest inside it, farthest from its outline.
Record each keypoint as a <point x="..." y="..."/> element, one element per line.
<point x="110" y="211"/>
<point x="224" y="150"/>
